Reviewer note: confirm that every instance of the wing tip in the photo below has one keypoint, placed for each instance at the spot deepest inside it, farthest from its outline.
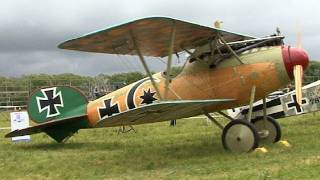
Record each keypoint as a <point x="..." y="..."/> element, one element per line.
<point x="63" y="44"/>
<point x="11" y="134"/>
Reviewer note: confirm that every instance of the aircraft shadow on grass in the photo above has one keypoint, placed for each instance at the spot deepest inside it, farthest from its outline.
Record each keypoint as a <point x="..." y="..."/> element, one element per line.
<point x="200" y="148"/>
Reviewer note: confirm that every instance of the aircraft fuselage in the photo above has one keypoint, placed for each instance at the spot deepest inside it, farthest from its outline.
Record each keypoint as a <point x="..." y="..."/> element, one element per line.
<point x="263" y="68"/>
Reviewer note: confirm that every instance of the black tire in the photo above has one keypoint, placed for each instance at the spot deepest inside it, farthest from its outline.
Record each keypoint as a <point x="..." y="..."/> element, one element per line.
<point x="240" y="136"/>
<point x="272" y="126"/>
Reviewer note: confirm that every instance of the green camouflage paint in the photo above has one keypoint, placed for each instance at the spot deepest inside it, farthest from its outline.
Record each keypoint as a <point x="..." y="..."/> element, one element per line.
<point x="74" y="104"/>
<point x="271" y="54"/>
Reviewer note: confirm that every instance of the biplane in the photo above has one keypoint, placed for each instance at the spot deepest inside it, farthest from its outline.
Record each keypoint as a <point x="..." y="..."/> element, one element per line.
<point x="280" y="104"/>
<point x="224" y="70"/>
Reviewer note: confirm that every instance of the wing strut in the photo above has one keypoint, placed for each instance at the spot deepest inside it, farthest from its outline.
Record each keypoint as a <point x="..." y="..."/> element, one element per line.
<point x="171" y="46"/>
<point x="143" y="62"/>
<point x="253" y="93"/>
<point x="229" y="48"/>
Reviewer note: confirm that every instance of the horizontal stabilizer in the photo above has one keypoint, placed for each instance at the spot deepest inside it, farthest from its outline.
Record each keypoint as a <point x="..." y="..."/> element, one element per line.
<point x="162" y="111"/>
<point x="57" y="129"/>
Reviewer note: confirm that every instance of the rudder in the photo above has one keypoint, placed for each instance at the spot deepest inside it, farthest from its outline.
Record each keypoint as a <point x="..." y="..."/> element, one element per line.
<point x="55" y="104"/>
<point x="59" y="102"/>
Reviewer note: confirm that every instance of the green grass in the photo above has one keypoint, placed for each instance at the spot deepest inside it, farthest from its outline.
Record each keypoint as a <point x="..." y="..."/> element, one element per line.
<point x="192" y="150"/>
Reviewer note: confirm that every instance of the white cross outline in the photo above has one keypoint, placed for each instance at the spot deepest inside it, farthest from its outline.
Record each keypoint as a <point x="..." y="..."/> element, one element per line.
<point x="55" y="94"/>
<point x="294" y="107"/>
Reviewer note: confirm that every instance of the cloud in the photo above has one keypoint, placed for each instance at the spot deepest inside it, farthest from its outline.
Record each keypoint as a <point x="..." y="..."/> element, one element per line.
<point x="29" y="33"/>
<point x="56" y="62"/>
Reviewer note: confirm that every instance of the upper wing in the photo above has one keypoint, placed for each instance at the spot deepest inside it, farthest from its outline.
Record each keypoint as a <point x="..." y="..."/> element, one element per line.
<point x="152" y="35"/>
<point x="162" y="111"/>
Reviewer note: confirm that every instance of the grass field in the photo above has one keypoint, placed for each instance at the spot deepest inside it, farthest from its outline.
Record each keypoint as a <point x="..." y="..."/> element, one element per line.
<point x="191" y="150"/>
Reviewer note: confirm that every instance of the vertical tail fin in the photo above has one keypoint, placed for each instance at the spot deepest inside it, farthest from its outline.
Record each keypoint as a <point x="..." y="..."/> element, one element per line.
<point x="52" y="103"/>
<point x="59" y="104"/>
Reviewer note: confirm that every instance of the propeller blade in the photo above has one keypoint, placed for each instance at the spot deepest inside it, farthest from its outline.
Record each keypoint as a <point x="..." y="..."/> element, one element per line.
<point x="298" y="75"/>
<point x="298" y="36"/>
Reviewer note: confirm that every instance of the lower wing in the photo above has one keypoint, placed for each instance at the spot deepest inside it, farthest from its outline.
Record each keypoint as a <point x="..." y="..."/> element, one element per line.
<point x="162" y="111"/>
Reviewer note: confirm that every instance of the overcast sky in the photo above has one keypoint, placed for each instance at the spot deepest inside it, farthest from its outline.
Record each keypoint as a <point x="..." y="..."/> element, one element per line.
<point x="31" y="30"/>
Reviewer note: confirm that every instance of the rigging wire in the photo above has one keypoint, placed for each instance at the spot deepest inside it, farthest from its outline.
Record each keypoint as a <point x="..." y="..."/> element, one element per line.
<point x="139" y="65"/>
<point x="131" y="66"/>
<point x="123" y="61"/>
<point x="161" y="60"/>
<point x="126" y="61"/>
<point x="165" y="63"/>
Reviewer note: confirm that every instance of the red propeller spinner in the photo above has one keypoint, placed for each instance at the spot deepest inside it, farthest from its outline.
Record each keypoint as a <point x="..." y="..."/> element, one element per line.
<point x="296" y="61"/>
<point x="293" y="56"/>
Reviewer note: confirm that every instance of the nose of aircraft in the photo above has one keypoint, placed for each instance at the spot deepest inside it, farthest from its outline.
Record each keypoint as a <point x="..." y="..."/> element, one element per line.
<point x="293" y="56"/>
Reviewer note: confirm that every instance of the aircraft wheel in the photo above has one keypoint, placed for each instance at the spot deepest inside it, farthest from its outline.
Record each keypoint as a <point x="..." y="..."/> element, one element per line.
<point x="240" y="136"/>
<point x="269" y="130"/>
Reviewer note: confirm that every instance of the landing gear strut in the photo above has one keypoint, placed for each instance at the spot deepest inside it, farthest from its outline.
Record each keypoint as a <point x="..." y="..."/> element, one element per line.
<point x="245" y="135"/>
<point x="238" y="136"/>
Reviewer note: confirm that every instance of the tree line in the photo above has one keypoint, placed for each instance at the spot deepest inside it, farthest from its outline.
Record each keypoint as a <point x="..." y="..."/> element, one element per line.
<point x="34" y="81"/>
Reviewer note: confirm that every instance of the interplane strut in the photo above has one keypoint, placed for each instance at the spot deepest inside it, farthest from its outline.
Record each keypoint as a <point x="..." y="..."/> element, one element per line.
<point x="145" y="66"/>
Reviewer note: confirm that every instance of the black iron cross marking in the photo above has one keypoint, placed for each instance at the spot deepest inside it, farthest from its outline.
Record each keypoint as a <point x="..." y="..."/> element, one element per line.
<point x="295" y="104"/>
<point x="108" y="109"/>
<point x="50" y="102"/>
